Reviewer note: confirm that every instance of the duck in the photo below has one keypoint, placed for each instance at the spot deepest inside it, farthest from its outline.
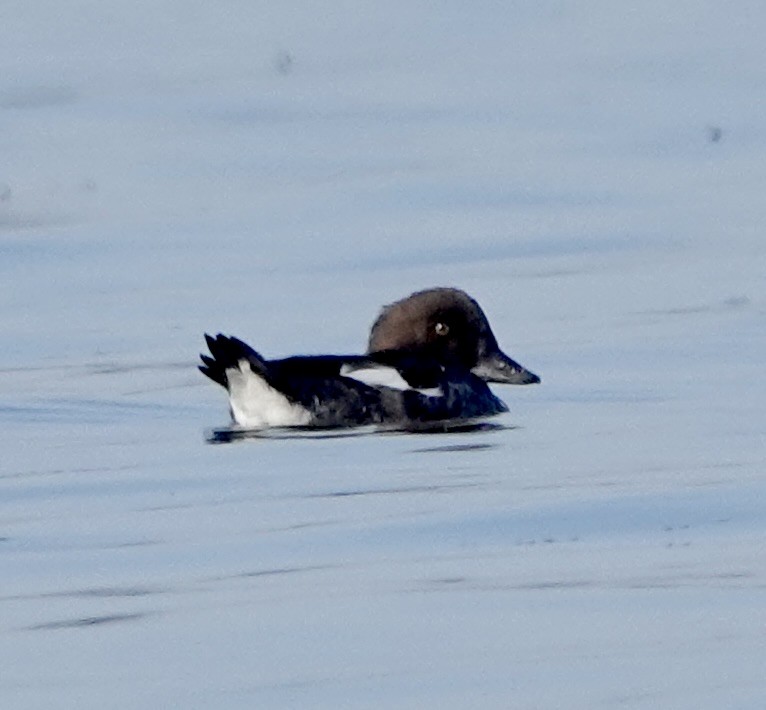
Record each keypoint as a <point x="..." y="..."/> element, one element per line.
<point x="429" y="359"/>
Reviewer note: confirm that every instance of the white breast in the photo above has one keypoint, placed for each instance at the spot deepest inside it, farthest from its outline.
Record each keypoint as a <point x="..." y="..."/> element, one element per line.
<point x="385" y="376"/>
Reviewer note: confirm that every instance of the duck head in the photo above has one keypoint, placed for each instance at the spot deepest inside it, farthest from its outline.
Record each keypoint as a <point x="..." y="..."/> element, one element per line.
<point x="451" y="327"/>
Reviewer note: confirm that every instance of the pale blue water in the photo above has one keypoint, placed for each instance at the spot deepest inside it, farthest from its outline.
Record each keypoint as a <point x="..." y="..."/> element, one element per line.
<point x="166" y="171"/>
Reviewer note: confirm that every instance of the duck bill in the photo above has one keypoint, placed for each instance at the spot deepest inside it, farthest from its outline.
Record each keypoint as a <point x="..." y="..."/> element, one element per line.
<point x="498" y="367"/>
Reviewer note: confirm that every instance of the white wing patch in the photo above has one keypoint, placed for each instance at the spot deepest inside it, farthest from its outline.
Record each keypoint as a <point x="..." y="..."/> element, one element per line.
<point x="255" y="403"/>
<point x="385" y="376"/>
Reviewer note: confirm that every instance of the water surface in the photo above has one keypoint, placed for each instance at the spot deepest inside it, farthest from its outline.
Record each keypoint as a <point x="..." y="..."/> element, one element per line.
<point x="594" y="177"/>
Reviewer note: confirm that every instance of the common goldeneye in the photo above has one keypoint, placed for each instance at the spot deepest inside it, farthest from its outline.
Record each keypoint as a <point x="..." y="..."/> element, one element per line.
<point x="429" y="358"/>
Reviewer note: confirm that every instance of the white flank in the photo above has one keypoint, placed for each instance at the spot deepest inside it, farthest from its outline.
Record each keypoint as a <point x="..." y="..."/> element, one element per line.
<point x="254" y="403"/>
<point x="385" y="376"/>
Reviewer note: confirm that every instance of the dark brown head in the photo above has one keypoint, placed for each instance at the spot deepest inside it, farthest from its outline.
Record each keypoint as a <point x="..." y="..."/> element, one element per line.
<point x="450" y="326"/>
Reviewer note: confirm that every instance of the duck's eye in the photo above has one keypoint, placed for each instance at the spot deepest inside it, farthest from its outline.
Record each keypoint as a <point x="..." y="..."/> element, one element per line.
<point x="441" y="329"/>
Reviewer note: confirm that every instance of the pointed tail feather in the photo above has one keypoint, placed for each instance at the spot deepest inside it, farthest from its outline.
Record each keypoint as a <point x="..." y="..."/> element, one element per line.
<point x="227" y="353"/>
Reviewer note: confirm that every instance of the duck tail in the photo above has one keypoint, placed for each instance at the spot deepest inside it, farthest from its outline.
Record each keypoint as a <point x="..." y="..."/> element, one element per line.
<point x="255" y="400"/>
<point x="227" y="354"/>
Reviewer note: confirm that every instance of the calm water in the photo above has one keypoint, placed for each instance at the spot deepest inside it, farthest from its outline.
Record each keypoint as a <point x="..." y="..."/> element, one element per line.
<point x="594" y="178"/>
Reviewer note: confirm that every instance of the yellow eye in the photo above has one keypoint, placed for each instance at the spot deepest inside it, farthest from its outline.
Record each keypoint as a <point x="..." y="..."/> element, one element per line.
<point x="441" y="329"/>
